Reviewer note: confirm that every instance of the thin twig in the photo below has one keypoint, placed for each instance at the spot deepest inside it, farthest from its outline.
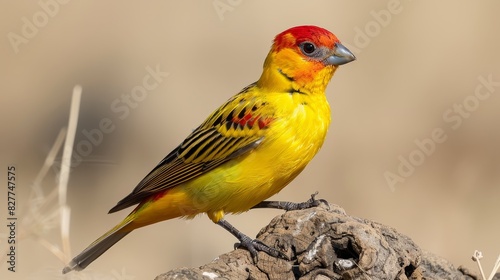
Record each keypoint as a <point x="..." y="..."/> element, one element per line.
<point x="495" y="268"/>
<point x="49" y="161"/>
<point x="476" y="257"/>
<point x="65" y="166"/>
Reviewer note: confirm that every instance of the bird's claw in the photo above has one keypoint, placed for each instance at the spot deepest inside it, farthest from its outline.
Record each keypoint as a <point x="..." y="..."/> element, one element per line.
<point x="289" y="206"/>
<point x="312" y="202"/>
<point x="255" y="245"/>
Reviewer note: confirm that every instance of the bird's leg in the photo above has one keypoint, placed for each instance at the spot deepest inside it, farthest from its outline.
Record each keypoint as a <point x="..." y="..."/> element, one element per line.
<point x="288" y="206"/>
<point x="253" y="245"/>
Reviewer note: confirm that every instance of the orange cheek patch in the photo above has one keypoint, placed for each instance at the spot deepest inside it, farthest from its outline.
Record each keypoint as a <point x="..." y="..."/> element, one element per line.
<point x="308" y="72"/>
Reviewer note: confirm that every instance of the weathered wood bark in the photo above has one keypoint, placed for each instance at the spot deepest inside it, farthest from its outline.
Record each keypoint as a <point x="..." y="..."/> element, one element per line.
<point x="326" y="243"/>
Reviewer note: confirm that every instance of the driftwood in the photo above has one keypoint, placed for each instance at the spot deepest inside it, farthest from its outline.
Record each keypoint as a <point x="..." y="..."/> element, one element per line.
<point x="325" y="243"/>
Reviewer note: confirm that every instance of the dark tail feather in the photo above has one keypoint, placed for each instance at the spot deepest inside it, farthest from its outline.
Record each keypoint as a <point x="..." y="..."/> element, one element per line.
<point x="97" y="248"/>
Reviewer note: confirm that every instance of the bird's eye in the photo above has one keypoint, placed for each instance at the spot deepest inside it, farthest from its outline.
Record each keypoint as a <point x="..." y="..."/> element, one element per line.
<point x="308" y="48"/>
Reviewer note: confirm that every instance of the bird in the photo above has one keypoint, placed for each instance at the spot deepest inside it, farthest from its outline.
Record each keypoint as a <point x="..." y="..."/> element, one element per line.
<point x="246" y="151"/>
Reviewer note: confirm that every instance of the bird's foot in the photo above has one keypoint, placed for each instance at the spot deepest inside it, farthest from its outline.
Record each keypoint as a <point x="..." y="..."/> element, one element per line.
<point x="288" y="206"/>
<point x="252" y="245"/>
<point x="255" y="245"/>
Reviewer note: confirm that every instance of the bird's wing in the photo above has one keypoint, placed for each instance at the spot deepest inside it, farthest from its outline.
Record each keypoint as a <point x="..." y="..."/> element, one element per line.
<point x="233" y="130"/>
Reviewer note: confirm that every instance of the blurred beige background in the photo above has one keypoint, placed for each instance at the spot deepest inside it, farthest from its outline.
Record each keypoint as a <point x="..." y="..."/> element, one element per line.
<point x="417" y="60"/>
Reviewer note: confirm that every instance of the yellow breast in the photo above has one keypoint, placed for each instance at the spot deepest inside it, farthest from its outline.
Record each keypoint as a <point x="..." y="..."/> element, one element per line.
<point x="293" y="139"/>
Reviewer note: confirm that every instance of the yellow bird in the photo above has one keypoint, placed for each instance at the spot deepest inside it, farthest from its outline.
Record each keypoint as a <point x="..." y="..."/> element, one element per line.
<point x="244" y="152"/>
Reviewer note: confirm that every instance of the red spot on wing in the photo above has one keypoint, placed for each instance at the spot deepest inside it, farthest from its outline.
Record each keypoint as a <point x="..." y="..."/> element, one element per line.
<point x="243" y="121"/>
<point x="263" y="123"/>
<point x="249" y="120"/>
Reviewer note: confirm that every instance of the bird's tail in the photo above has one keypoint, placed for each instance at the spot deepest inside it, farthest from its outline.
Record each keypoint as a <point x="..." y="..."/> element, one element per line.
<point x="98" y="247"/>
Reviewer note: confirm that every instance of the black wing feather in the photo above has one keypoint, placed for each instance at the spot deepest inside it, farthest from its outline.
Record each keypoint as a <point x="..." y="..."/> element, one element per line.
<point x="216" y="141"/>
